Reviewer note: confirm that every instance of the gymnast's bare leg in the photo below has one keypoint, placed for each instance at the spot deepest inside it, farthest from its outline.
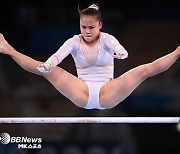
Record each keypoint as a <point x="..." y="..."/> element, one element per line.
<point x="59" y="78"/>
<point x="118" y="89"/>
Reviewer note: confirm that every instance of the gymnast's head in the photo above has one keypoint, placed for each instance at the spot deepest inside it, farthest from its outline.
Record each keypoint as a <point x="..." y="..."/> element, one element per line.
<point x="90" y="22"/>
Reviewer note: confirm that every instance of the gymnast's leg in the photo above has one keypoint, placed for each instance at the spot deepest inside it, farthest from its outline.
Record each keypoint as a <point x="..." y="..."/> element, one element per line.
<point x="118" y="89"/>
<point x="67" y="84"/>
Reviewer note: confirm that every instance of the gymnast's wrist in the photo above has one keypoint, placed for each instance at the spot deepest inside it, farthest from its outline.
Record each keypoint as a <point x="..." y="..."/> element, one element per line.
<point x="48" y="63"/>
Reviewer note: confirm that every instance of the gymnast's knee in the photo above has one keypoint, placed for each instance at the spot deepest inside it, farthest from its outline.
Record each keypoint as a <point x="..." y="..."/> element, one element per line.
<point x="146" y="70"/>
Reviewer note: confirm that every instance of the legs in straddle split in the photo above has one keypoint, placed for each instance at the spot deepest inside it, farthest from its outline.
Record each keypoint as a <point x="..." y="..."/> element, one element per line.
<point x="118" y="89"/>
<point x="76" y="90"/>
<point x="66" y="83"/>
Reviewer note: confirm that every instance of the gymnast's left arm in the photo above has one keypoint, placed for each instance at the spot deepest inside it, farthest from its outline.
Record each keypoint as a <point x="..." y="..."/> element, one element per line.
<point x="121" y="54"/>
<point x="117" y="50"/>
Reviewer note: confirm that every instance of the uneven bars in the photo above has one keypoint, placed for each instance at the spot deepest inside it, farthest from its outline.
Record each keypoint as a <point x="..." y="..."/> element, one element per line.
<point x="54" y="120"/>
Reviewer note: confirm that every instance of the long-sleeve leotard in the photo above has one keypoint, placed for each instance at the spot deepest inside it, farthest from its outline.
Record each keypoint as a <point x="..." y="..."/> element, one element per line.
<point x="92" y="64"/>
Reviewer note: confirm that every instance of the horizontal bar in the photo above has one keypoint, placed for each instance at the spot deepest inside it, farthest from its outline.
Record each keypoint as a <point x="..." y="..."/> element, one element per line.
<point x="46" y="120"/>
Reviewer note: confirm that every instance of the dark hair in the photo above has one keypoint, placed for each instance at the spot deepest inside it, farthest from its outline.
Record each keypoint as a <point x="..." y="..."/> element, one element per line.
<point x="91" y="11"/>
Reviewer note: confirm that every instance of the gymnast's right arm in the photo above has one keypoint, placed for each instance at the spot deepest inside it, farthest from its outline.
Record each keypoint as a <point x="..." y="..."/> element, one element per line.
<point x="57" y="57"/>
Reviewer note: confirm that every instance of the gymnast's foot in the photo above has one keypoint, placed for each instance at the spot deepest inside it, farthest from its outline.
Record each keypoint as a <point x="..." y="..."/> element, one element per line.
<point x="178" y="51"/>
<point x="5" y="48"/>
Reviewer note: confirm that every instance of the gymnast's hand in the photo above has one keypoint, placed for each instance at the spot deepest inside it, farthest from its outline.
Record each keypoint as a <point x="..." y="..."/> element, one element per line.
<point x="45" y="67"/>
<point x="122" y="54"/>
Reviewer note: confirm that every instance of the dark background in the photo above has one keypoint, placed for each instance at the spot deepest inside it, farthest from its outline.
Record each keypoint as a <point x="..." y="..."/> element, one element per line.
<point x="147" y="29"/>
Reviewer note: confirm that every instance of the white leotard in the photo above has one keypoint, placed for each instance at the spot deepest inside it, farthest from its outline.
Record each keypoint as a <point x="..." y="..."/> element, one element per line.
<point x="95" y="65"/>
<point x="92" y="64"/>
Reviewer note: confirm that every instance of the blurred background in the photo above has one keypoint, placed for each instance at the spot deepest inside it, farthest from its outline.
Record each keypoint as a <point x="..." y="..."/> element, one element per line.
<point x="147" y="29"/>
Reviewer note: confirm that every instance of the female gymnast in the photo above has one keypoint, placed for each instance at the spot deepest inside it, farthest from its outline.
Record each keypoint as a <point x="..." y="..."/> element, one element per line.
<point x="93" y="52"/>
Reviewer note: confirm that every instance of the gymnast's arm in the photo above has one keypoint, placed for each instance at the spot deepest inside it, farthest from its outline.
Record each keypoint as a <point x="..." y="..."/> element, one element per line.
<point x="57" y="57"/>
<point x="115" y="47"/>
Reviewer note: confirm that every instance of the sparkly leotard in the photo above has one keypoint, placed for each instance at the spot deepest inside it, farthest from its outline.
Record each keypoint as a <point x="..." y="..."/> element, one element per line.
<point x="95" y="65"/>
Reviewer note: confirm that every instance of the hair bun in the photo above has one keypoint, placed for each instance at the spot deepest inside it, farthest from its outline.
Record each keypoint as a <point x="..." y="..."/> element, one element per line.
<point x="94" y="6"/>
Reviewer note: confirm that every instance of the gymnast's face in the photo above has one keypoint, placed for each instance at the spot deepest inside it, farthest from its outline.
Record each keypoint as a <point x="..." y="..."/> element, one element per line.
<point x="90" y="28"/>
